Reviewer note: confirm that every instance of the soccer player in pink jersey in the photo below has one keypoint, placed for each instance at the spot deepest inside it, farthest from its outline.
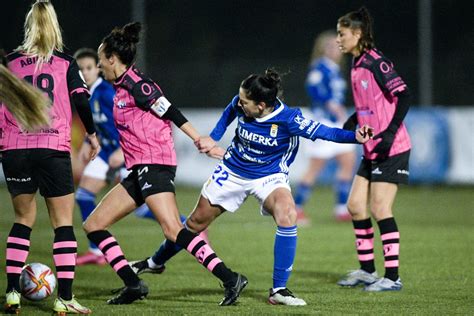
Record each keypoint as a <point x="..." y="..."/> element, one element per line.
<point x="40" y="159"/>
<point x="143" y="117"/>
<point x="382" y="101"/>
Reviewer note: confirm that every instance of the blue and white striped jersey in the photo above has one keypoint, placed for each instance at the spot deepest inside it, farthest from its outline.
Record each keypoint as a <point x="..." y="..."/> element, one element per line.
<point x="324" y="83"/>
<point x="268" y="145"/>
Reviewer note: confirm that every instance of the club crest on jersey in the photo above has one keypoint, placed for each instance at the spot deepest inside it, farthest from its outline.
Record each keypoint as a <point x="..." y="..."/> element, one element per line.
<point x="274" y="130"/>
<point x="365" y="84"/>
<point x="121" y="104"/>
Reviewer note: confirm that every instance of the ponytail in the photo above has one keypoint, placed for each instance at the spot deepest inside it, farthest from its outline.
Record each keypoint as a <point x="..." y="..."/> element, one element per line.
<point x="123" y="42"/>
<point x="360" y="20"/>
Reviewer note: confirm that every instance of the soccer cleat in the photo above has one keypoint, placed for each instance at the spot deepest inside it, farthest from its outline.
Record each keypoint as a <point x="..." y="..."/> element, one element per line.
<point x="90" y="258"/>
<point x="284" y="297"/>
<point x="357" y="277"/>
<point x="12" y="302"/>
<point x="141" y="266"/>
<point x="129" y="294"/>
<point x="233" y="290"/>
<point x="62" y="307"/>
<point x="384" y="284"/>
<point x="301" y="219"/>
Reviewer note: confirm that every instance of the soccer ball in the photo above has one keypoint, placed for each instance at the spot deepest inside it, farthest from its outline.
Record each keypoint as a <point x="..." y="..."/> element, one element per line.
<point x="37" y="281"/>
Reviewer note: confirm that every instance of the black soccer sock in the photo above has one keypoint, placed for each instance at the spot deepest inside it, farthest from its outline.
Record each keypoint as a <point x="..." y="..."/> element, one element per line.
<point x="114" y="256"/>
<point x="18" y="247"/>
<point x="204" y="254"/>
<point x="391" y="246"/>
<point x="364" y="233"/>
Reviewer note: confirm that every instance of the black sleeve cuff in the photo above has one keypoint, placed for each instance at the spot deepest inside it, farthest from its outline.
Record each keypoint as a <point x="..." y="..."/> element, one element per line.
<point x="83" y="109"/>
<point x="175" y="115"/>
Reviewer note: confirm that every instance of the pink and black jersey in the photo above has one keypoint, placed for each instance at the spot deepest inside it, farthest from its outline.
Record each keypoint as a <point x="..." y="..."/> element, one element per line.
<point x="374" y="86"/>
<point x="145" y="138"/>
<point x="59" y="78"/>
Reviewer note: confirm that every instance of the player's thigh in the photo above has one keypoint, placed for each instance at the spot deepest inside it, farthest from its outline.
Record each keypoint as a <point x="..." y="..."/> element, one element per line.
<point x="281" y="206"/>
<point x="115" y="205"/>
<point x="266" y="190"/>
<point x="60" y="210"/>
<point x="163" y="206"/>
<point x="203" y="215"/>
<point x="382" y="196"/>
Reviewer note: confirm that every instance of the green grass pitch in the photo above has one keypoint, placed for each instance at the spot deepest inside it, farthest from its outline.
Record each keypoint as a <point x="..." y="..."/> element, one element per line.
<point x="437" y="260"/>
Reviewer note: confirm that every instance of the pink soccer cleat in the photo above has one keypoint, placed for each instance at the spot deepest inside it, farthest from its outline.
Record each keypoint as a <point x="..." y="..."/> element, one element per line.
<point x="90" y="258"/>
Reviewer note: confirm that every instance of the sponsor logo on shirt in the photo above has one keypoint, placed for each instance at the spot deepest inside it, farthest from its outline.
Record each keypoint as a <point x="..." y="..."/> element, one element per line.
<point x="302" y="122"/>
<point x="250" y="136"/>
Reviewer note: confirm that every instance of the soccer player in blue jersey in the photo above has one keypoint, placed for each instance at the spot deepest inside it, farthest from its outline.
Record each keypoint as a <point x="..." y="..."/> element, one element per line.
<point x="327" y="88"/>
<point x="257" y="163"/>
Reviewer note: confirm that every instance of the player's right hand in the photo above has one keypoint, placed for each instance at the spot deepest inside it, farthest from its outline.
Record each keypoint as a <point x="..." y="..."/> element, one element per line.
<point x="204" y="144"/>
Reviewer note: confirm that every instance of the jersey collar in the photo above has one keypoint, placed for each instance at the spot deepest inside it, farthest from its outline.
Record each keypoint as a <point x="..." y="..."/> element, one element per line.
<point x="273" y="114"/>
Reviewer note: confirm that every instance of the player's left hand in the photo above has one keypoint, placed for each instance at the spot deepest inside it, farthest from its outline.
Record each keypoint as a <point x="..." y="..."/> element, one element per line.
<point x="364" y="133"/>
<point x="383" y="147"/>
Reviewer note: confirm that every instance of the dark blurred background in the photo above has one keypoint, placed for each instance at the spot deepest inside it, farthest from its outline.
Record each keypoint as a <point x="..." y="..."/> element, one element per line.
<point x="199" y="51"/>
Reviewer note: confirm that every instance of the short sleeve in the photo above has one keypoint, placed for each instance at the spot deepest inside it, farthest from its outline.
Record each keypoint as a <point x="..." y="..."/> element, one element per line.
<point x="75" y="81"/>
<point x="386" y="76"/>
<point x="146" y="93"/>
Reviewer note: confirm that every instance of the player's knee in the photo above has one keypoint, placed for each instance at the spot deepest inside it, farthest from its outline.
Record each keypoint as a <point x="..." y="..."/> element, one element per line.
<point x="286" y="216"/>
<point x="355" y="207"/>
<point x="196" y="225"/>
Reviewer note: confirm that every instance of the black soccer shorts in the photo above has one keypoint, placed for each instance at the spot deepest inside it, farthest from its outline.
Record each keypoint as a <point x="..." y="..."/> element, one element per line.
<point x="393" y="169"/>
<point x="146" y="180"/>
<point x="27" y="170"/>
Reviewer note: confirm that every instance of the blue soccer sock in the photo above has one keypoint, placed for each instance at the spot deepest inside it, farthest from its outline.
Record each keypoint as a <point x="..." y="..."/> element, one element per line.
<point x="342" y="190"/>
<point x="86" y="201"/>
<point x="284" y="255"/>
<point x="167" y="249"/>
<point x="303" y="192"/>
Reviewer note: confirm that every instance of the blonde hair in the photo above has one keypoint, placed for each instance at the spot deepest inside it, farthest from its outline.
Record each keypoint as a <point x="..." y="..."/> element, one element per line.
<point x="42" y="32"/>
<point x="320" y="43"/>
<point x="27" y="104"/>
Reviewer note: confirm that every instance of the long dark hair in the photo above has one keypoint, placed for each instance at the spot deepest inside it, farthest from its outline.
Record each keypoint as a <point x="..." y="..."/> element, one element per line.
<point x="123" y="42"/>
<point x="360" y="20"/>
<point x="263" y="88"/>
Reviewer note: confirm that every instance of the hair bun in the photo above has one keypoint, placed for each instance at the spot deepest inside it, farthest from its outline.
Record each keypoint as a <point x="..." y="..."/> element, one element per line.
<point x="272" y="77"/>
<point x="131" y="32"/>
